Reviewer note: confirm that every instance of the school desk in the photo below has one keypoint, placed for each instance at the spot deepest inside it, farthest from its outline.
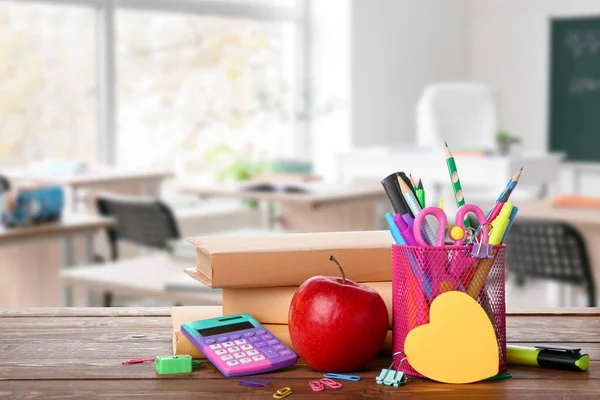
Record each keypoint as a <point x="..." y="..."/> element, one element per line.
<point x="77" y="353"/>
<point x="586" y="220"/>
<point x="102" y="177"/>
<point x="490" y="173"/>
<point x="327" y="206"/>
<point x="36" y="281"/>
<point x="159" y="277"/>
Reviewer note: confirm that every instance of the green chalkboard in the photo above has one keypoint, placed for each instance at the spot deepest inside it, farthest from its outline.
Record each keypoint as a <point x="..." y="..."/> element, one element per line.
<point x="574" y="115"/>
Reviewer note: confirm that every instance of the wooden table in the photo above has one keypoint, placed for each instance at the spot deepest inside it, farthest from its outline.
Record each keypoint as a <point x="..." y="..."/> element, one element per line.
<point x="19" y="285"/>
<point x="96" y="178"/>
<point x="59" y="353"/>
<point x="325" y="203"/>
<point x="157" y="276"/>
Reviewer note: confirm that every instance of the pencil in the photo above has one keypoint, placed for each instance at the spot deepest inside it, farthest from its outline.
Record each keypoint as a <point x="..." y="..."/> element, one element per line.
<point x="416" y="208"/>
<point x="412" y="182"/>
<point x="458" y="194"/>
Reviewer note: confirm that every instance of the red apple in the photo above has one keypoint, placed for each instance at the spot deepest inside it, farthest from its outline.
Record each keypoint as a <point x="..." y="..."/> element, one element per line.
<point x="337" y="325"/>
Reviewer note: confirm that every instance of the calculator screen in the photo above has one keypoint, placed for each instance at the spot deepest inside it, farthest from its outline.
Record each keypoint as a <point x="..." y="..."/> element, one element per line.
<point x="225" y="329"/>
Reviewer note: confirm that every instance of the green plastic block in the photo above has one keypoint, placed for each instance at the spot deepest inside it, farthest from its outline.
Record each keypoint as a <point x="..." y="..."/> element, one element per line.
<point x="175" y="364"/>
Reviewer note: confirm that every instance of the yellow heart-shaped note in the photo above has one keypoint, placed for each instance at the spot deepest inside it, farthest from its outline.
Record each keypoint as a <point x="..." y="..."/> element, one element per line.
<point x="458" y="345"/>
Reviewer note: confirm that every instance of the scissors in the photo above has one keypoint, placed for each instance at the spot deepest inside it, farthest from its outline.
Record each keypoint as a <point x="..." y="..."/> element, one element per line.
<point x="447" y="277"/>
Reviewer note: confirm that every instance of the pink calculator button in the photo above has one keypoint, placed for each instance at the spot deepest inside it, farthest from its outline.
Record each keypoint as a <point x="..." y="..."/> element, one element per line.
<point x="252" y="352"/>
<point x="209" y="341"/>
<point x="234" y="337"/>
<point x="222" y="339"/>
<point x="255" y="339"/>
<point x="260" y="344"/>
<point x="249" y="334"/>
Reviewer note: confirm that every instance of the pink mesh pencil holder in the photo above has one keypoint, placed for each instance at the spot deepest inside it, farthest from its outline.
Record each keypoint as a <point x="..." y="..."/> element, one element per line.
<point x="421" y="273"/>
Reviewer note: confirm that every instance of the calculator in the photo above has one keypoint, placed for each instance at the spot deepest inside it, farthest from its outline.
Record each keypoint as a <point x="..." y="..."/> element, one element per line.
<point x="238" y="345"/>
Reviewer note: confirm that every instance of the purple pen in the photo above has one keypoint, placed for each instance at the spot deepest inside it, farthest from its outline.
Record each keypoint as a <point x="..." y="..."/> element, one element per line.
<point x="405" y="229"/>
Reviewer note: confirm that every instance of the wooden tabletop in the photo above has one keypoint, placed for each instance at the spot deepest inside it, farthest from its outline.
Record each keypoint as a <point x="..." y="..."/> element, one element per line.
<point x="70" y="224"/>
<point x="98" y="177"/>
<point x="57" y="353"/>
<point x="319" y="193"/>
<point x="158" y="276"/>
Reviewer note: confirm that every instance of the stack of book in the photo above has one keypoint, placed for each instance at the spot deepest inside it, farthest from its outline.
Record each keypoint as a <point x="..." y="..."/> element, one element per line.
<point x="260" y="274"/>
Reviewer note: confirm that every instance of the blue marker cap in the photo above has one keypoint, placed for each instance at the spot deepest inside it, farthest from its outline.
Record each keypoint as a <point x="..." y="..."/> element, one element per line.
<point x="394" y="229"/>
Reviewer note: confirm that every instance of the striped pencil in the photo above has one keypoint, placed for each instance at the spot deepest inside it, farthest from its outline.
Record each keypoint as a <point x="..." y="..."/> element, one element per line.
<point x="458" y="194"/>
<point x="413" y="203"/>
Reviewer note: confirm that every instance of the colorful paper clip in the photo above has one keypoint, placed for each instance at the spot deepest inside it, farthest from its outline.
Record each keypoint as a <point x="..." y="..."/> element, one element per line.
<point x="330" y="383"/>
<point x="342" y="377"/>
<point x="316" y="386"/>
<point x="283" y="392"/>
<point x="392" y="377"/>
<point x="255" y="382"/>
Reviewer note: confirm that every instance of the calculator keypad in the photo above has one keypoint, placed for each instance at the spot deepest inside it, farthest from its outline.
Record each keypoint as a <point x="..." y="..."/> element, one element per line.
<point x="246" y="348"/>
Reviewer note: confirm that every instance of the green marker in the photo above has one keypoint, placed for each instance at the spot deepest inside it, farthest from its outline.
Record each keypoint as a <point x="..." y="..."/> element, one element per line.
<point x="565" y="358"/>
<point x="458" y="194"/>
<point x="421" y="193"/>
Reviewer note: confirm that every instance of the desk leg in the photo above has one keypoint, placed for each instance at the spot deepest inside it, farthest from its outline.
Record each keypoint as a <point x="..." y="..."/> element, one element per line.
<point x="67" y="262"/>
<point x="266" y="214"/>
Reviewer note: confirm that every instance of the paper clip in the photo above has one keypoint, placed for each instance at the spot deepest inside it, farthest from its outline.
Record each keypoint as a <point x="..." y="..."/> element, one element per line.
<point x="255" y="382"/>
<point x="283" y="392"/>
<point x="316" y="386"/>
<point x="392" y="377"/>
<point x="330" y="383"/>
<point x="342" y="377"/>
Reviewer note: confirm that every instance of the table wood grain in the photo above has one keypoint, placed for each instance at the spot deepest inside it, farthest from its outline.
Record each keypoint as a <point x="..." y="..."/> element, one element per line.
<point x="57" y="353"/>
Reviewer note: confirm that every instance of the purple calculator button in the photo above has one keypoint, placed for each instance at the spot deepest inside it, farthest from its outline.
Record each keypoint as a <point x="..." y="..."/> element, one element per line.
<point x="285" y="352"/>
<point x="248" y="334"/>
<point x="279" y="347"/>
<point x="255" y="339"/>
<point x="261" y="332"/>
<point x="222" y="339"/>
<point x="272" y="341"/>
<point x="260" y="344"/>
<point x="234" y="337"/>
<point x="210" y="341"/>
<point x="269" y="352"/>
<point x="267" y="336"/>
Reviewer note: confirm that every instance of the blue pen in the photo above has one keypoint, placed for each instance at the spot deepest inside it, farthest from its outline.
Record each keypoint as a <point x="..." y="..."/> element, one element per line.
<point x="512" y="217"/>
<point x="394" y="229"/>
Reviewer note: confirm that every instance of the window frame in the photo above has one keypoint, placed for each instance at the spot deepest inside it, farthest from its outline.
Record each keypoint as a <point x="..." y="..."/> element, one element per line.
<point x="106" y="59"/>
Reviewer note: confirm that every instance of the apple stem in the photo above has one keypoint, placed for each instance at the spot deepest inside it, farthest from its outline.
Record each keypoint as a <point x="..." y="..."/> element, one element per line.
<point x="332" y="258"/>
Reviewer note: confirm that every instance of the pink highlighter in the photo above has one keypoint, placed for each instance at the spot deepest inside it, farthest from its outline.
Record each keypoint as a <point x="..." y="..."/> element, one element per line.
<point x="405" y="230"/>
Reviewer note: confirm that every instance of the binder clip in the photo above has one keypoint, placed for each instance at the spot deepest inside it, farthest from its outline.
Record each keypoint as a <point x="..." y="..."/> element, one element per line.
<point x="390" y="376"/>
<point x="482" y="250"/>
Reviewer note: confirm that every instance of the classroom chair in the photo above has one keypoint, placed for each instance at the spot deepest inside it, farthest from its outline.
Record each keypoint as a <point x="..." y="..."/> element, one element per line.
<point x="148" y="223"/>
<point x="4" y="184"/>
<point x="550" y="250"/>
<point x="465" y="114"/>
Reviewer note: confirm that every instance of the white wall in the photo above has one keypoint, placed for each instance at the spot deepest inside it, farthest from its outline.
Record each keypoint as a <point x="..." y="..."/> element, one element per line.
<point x="398" y="47"/>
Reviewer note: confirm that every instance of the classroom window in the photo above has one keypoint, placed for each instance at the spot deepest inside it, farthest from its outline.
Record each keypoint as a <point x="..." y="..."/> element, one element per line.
<point x="192" y="86"/>
<point x="47" y="82"/>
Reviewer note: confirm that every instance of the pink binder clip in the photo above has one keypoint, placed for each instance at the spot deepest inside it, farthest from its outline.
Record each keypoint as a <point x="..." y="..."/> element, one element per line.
<point x="331" y="383"/>
<point x="316" y="386"/>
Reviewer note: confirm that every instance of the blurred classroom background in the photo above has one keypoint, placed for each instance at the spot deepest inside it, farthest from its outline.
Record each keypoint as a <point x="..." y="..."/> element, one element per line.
<point x="161" y="120"/>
